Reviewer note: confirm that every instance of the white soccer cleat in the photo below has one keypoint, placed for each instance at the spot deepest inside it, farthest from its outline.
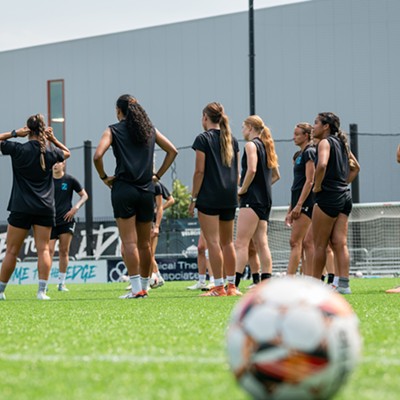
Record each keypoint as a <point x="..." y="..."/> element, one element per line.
<point x="198" y="286"/>
<point x="158" y="283"/>
<point x="42" y="296"/>
<point x="343" y="290"/>
<point x="62" y="288"/>
<point x="2" y="296"/>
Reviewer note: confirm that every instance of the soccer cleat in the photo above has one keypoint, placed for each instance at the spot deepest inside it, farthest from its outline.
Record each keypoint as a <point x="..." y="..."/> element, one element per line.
<point x="215" y="291"/>
<point x="252" y="286"/>
<point x="2" y="296"/>
<point x="343" y="290"/>
<point x="62" y="288"/>
<point x="129" y="287"/>
<point x="233" y="290"/>
<point x="208" y="287"/>
<point x="158" y="283"/>
<point x="139" y="295"/>
<point x="198" y="286"/>
<point x="394" y="290"/>
<point x="42" y="296"/>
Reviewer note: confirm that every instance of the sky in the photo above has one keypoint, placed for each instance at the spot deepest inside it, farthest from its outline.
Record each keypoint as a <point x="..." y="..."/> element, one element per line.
<point x="27" y="23"/>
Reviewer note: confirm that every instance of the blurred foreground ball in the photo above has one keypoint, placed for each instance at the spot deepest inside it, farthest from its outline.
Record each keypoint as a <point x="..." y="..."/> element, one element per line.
<point x="292" y="338"/>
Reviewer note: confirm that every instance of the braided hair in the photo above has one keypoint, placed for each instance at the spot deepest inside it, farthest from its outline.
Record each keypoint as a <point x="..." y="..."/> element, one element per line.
<point x="215" y="111"/>
<point x="36" y="125"/>
<point x="137" y="120"/>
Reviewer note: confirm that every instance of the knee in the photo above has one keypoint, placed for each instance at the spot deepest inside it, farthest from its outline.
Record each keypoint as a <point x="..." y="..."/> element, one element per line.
<point x="294" y="244"/>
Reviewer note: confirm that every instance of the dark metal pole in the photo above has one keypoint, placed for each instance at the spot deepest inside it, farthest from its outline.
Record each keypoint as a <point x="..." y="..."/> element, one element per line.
<point x="252" y="59"/>
<point x="355" y="186"/>
<point x="89" y="202"/>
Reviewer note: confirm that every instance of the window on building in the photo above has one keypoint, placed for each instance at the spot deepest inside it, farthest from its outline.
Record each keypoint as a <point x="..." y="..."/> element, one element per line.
<point x="55" y="101"/>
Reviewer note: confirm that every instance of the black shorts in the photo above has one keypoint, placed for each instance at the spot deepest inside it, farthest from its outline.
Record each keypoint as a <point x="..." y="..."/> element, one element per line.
<point x="225" y="214"/>
<point x="26" y="221"/>
<point x="127" y="201"/>
<point x="333" y="204"/>
<point x="60" y="229"/>
<point x="261" y="212"/>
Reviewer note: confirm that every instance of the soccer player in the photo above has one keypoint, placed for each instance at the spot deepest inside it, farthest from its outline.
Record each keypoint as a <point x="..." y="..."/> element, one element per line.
<point x="214" y="193"/>
<point x="302" y="199"/>
<point x="64" y="187"/>
<point x="336" y="167"/>
<point x="259" y="172"/>
<point x="133" y="139"/>
<point x="32" y="196"/>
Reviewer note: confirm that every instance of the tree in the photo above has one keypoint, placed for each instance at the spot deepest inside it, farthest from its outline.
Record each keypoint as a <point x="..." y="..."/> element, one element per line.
<point x="181" y="194"/>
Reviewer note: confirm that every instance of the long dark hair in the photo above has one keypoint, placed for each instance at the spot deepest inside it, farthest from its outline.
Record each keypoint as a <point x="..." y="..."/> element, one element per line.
<point x="37" y="126"/>
<point x="334" y="126"/>
<point x="215" y="111"/>
<point x="137" y="120"/>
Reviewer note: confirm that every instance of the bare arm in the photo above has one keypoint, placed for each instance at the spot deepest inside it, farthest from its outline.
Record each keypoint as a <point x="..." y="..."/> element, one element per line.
<point x="323" y="158"/>
<point x="102" y="147"/>
<point x="169" y="202"/>
<point x="22" y="132"/>
<point x="198" y="177"/>
<point x="251" y="153"/>
<point x="170" y="150"/>
<point x="354" y="168"/>
<point x="71" y="213"/>
<point x="398" y="153"/>
<point x="310" y="171"/>
<point x="51" y="138"/>
<point x="159" y="214"/>
<point x="275" y="175"/>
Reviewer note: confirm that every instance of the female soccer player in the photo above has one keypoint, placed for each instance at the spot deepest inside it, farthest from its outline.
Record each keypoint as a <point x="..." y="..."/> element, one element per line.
<point x="336" y="167"/>
<point x="302" y="199"/>
<point x="214" y="193"/>
<point x="133" y="140"/>
<point x="32" y="197"/>
<point x="64" y="186"/>
<point x="259" y="172"/>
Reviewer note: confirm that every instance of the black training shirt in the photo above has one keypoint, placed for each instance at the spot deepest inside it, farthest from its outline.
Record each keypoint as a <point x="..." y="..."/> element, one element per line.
<point x="219" y="187"/>
<point x="64" y="189"/>
<point x="134" y="161"/>
<point x="337" y="170"/>
<point x="259" y="192"/>
<point x="33" y="190"/>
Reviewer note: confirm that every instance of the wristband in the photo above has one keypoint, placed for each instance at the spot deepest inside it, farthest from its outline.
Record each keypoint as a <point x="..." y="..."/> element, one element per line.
<point x="157" y="177"/>
<point x="14" y="133"/>
<point x="193" y="199"/>
<point x="104" y="177"/>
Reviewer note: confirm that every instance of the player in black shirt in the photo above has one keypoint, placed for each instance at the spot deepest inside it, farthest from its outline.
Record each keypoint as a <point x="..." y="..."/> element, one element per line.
<point x="133" y="140"/>
<point x="302" y="200"/>
<point x="64" y="187"/>
<point x="214" y="193"/>
<point x="32" y="197"/>
<point x="259" y="172"/>
<point x="336" y="167"/>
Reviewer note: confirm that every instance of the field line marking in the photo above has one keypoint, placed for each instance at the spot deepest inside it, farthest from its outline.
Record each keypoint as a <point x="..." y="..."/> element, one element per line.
<point x="132" y="359"/>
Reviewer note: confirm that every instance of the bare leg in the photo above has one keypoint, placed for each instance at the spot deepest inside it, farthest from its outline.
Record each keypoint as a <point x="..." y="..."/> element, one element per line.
<point x="300" y="227"/>
<point x="41" y="235"/>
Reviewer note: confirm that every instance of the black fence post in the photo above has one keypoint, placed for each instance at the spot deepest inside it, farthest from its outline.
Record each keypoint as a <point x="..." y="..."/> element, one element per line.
<point x="355" y="186"/>
<point x="89" y="190"/>
<point x="251" y="59"/>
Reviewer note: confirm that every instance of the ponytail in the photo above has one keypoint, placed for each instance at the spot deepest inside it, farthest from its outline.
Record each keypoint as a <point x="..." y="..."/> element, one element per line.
<point x="226" y="141"/>
<point x="255" y="122"/>
<point x="36" y="126"/>
<point x="215" y="111"/>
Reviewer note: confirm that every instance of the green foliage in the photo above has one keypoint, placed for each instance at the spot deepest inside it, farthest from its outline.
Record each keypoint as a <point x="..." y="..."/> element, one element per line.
<point x="181" y="194"/>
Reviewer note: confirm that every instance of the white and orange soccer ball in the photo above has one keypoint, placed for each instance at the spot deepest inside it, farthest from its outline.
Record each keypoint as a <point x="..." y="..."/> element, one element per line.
<point x="292" y="338"/>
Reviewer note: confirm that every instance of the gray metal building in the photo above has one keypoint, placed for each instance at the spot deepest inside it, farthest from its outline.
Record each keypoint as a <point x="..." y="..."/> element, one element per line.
<point x="322" y="55"/>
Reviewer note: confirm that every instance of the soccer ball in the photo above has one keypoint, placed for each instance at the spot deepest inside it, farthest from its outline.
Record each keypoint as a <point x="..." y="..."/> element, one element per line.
<point x="292" y="338"/>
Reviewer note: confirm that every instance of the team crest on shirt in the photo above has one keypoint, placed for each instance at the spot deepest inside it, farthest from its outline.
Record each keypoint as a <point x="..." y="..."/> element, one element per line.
<point x="64" y="186"/>
<point x="298" y="160"/>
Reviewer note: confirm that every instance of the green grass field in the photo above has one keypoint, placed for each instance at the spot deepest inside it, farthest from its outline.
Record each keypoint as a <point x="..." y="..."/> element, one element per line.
<point x="88" y="344"/>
